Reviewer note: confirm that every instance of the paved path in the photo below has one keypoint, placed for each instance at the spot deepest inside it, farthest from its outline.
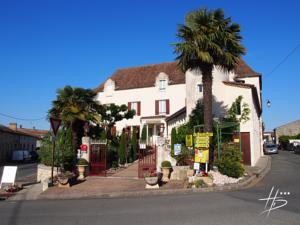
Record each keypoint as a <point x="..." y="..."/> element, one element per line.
<point x="223" y="208"/>
<point x="129" y="172"/>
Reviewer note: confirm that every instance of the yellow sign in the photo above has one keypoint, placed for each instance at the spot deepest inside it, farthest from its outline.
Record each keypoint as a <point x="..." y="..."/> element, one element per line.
<point x="197" y="156"/>
<point x="206" y="134"/>
<point x="236" y="140"/>
<point x="201" y="142"/>
<point x="204" y="156"/>
<point x="189" y="140"/>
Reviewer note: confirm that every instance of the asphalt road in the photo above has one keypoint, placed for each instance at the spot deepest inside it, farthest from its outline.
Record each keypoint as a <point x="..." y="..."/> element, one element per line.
<point x="25" y="171"/>
<point x="224" y="208"/>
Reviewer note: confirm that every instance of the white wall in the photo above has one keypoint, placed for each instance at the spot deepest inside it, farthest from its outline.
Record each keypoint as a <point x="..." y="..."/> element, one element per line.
<point x="224" y="96"/>
<point x="147" y="97"/>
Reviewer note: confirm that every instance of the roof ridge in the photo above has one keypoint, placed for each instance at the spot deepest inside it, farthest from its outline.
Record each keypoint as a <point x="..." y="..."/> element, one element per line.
<point x="145" y="65"/>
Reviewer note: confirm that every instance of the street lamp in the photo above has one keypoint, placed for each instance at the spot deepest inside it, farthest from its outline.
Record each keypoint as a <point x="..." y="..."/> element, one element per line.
<point x="269" y="103"/>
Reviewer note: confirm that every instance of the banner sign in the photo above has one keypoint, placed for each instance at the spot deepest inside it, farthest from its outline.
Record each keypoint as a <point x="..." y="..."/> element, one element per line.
<point x="201" y="141"/>
<point x="189" y="140"/>
<point x="197" y="156"/>
<point x="177" y="149"/>
<point x="204" y="156"/>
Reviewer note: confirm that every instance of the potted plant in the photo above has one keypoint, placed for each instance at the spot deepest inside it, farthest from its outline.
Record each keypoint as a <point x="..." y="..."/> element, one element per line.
<point x="81" y="165"/>
<point x="66" y="178"/>
<point x="166" y="166"/>
<point x="151" y="178"/>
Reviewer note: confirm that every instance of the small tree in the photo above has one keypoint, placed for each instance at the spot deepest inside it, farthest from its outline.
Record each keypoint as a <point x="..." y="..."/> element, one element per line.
<point x="144" y="134"/>
<point x="122" y="149"/>
<point x="134" y="144"/>
<point x="197" y="116"/>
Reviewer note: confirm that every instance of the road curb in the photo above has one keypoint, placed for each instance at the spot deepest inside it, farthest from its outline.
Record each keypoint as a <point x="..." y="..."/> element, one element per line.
<point x="246" y="183"/>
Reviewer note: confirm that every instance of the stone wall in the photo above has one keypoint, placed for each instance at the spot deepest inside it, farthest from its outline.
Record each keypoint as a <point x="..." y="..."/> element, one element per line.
<point x="289" y="129"/>
<point x="44" y="172"/>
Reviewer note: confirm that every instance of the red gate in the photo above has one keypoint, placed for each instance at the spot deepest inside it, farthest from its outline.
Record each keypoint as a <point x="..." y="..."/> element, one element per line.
<point x="147" y="161"/>
<point x="98" y="159"/>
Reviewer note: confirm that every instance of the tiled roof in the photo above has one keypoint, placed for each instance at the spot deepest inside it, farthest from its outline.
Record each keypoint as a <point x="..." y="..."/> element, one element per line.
<point x="243" y="70"/>
<point x="145" y="76"/>
<point x="35" y="132"/>
<point x="236" y="84"/>
<point x="17" y="132"/>
<point x="176" y="114"/>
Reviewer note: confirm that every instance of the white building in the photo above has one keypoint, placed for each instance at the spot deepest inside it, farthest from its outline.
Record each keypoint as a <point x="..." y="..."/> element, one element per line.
<point x="163" y="96"/>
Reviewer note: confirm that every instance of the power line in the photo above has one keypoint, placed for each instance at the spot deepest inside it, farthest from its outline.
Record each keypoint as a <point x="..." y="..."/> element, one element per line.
<point x="17" y="118"/>
<point x="283" y="60"/>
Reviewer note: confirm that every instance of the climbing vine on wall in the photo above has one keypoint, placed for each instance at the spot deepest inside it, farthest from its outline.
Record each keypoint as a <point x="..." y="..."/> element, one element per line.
<point x="239" y="111"/>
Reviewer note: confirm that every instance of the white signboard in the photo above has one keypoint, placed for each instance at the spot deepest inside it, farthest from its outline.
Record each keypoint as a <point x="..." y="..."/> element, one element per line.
<point x="9" y="175"/>
<point x="177" y="149"/>
<point x="196" y="166"/>
<point x="142" y="146"/>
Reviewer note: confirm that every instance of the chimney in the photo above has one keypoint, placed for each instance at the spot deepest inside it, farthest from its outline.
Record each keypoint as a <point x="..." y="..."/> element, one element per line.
<point x="21" y="126"/>
<point x="13" y="126"/>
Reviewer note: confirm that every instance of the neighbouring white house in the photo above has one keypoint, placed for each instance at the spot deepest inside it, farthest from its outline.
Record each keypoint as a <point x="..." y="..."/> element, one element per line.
<point x="163" y="97"/>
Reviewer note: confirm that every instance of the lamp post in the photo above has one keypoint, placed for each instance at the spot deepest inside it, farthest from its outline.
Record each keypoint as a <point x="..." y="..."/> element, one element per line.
<point x="86" y="129"/>
<point x="162" y="129"/>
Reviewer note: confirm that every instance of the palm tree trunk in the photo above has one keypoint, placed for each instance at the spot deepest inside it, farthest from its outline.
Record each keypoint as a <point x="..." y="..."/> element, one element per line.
<point x="207" y="98"/>
<point x="74" y="136"/>
<point x="207" y="103"/>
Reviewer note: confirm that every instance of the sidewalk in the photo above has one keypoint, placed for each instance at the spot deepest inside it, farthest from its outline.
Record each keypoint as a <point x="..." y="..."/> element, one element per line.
<point x="125" y="184"/>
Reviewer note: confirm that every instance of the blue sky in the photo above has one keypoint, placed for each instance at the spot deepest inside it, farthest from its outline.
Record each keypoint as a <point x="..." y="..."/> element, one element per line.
<point x="47" y="44"/>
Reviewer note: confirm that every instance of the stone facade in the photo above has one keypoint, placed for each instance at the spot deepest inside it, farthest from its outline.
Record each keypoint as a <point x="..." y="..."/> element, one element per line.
<point x="44" y="172"/>
<point x="289" y="129"/>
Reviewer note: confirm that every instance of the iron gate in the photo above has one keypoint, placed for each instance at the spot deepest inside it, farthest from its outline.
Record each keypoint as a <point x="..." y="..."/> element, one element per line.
<point x="98" y="159"/>
<point x="147" y="161"/>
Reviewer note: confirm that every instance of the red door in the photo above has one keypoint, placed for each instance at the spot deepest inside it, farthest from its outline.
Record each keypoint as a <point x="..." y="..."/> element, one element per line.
<point x="246" y="148"/>
<point x="98" y="159"/>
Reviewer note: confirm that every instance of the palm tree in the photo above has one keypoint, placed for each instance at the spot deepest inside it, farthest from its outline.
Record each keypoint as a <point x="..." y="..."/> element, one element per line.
<point x="75" y="106"/>
<point x="208" y="39"/>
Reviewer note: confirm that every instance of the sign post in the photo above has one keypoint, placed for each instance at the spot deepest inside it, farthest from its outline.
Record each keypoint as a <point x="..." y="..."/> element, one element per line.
<point x="201" y="145"/>
<point x="55" y="123"/>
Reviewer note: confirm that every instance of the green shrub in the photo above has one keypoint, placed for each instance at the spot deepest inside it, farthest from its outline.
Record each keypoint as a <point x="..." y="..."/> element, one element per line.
<point x="134" y="144"/>
<point x="122" y="149"/>
<point x="144" y="134"/>
<point x="82" y="161"/>
<point x="230" y="163"/>
<point x="173" y="140"/>
<point x="166" y="164"/>
<point x="64" y="153"/>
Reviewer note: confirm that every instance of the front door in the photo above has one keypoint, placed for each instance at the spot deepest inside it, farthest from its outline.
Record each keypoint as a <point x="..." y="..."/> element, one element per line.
<point x="246" y="148"/>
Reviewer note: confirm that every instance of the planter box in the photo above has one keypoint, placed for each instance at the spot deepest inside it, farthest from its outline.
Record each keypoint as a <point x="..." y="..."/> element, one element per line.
<point x="179" y="172"/>
<point x="151" y="180"/>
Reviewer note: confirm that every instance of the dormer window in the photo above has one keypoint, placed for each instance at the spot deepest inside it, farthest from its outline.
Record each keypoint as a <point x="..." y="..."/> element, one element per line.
<point x="162" y="81"/>
<point x="109" y="88"/>
<point x="162" y="85"/>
